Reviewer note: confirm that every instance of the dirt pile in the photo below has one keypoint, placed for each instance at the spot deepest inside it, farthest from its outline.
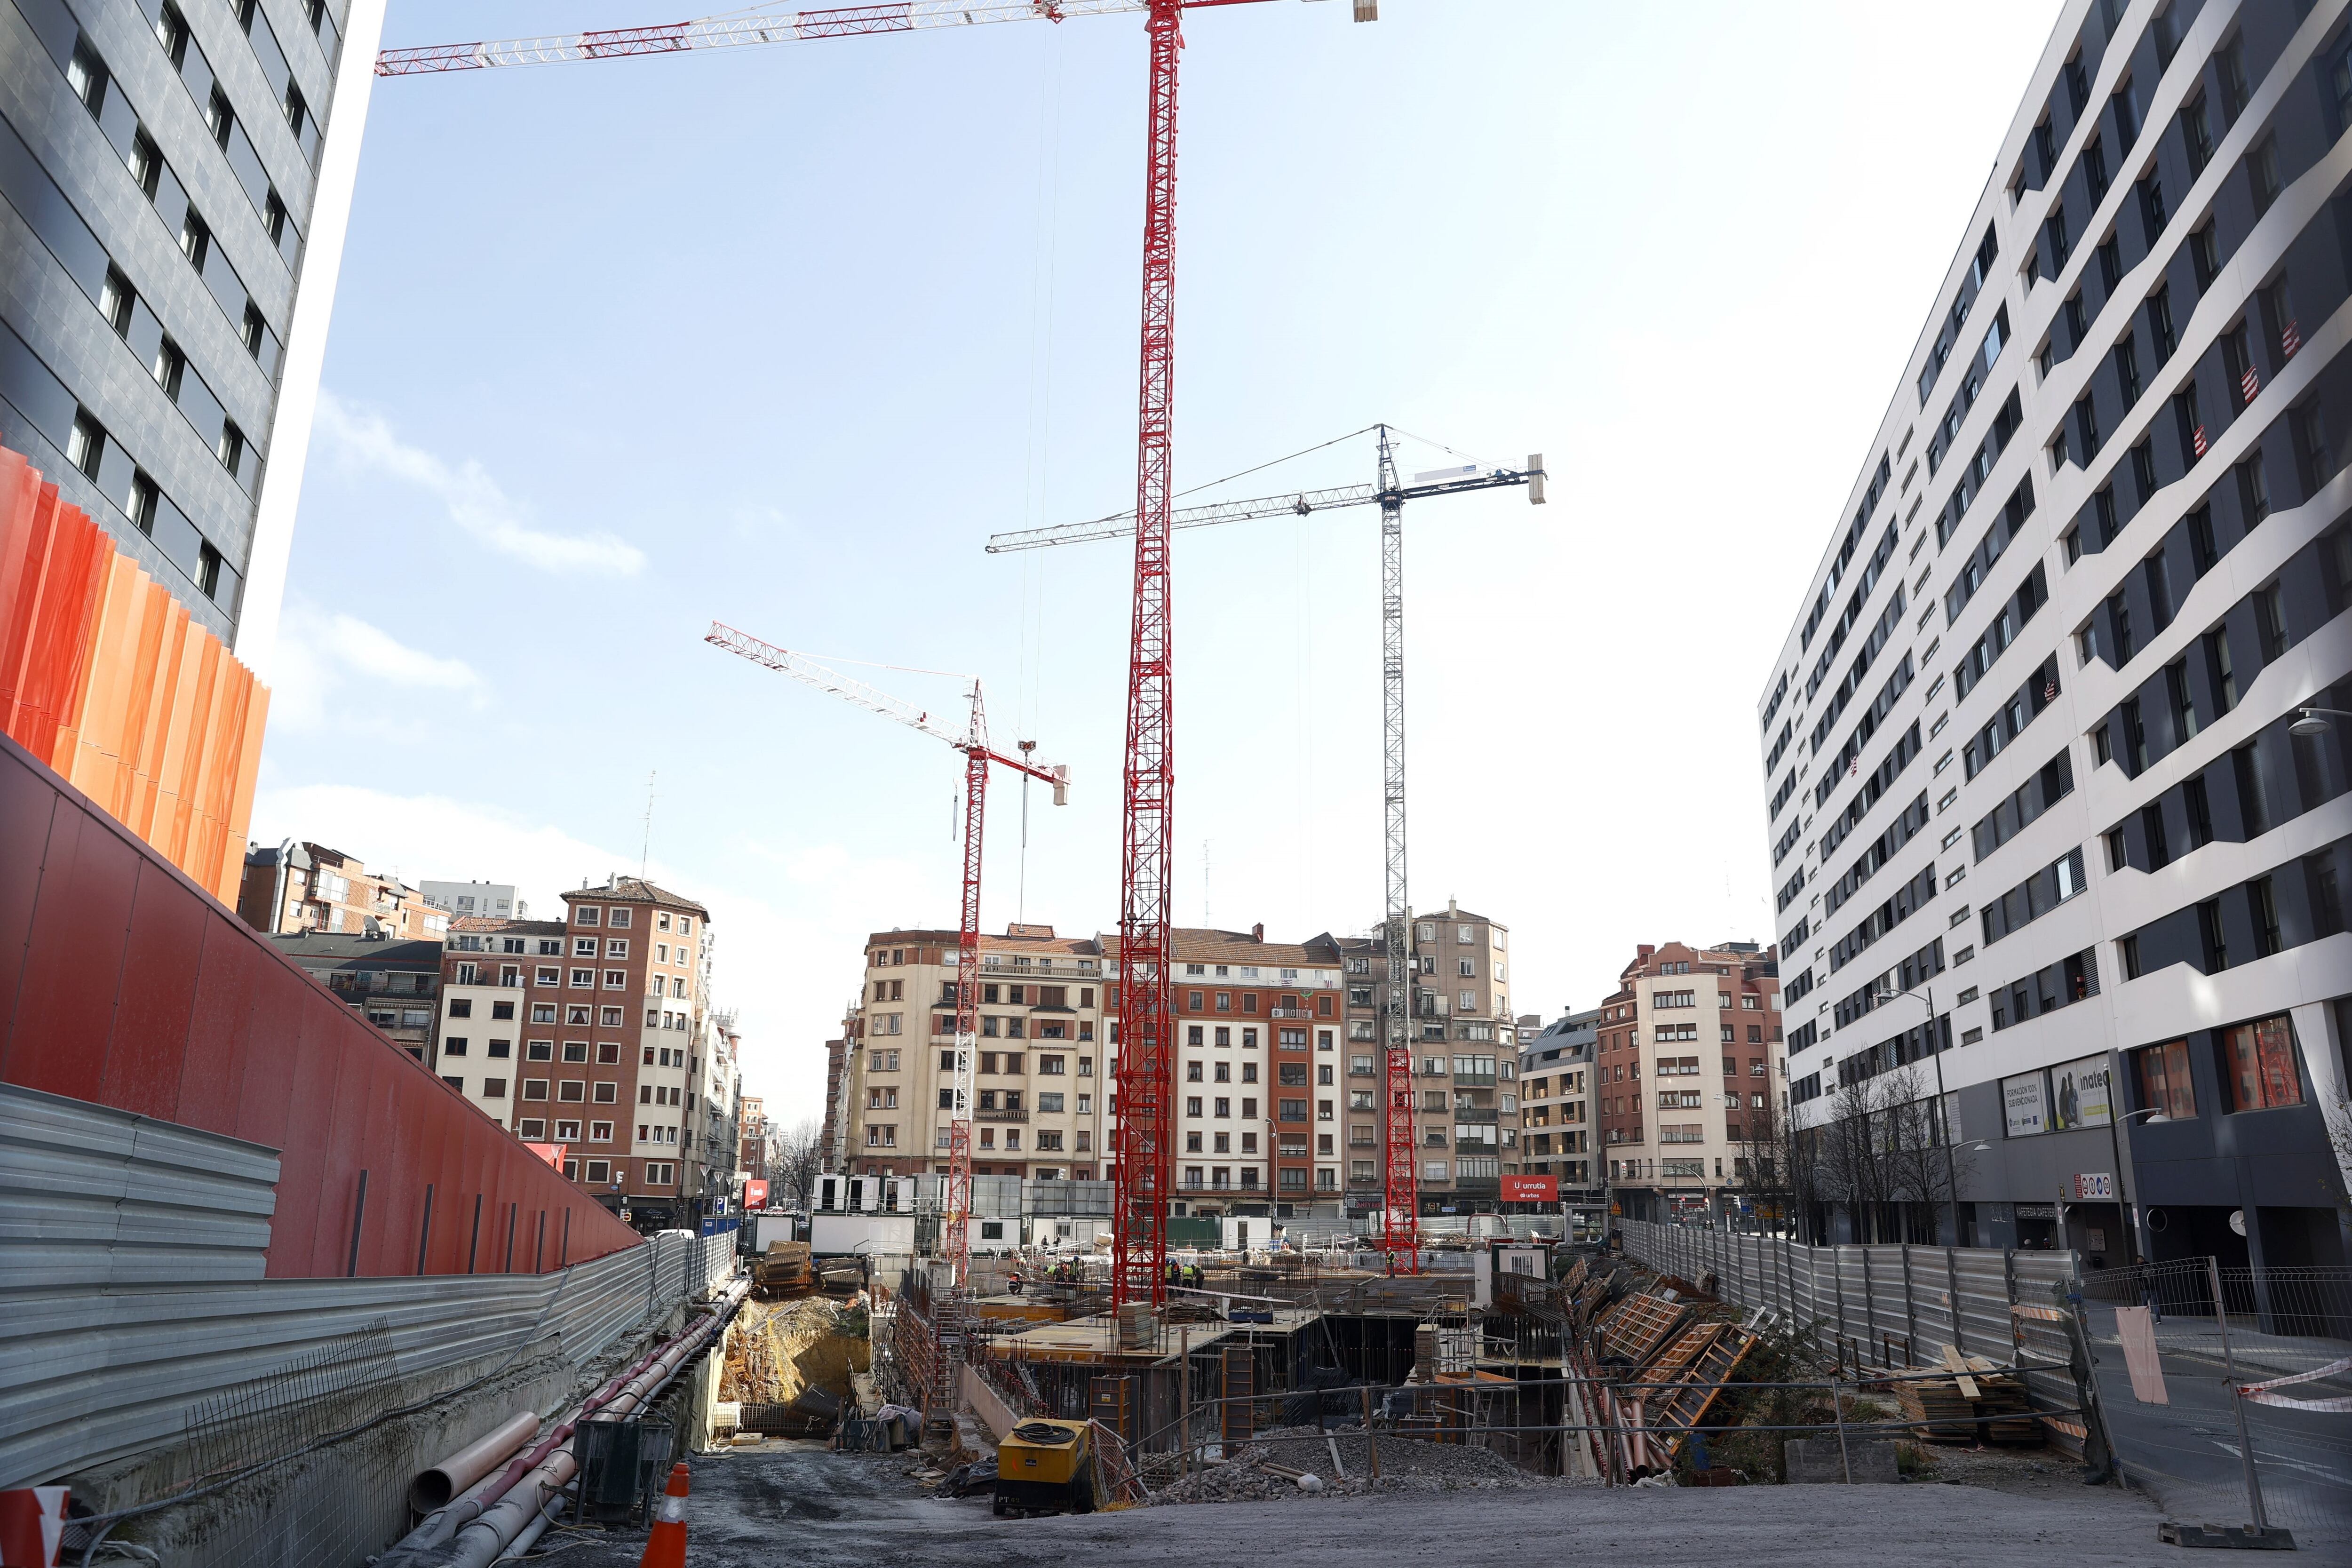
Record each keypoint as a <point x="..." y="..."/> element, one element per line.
<point x="779" y="1350"/>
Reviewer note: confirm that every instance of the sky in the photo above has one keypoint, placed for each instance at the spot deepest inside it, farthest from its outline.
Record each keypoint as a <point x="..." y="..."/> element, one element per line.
<point x="778" y="337"/>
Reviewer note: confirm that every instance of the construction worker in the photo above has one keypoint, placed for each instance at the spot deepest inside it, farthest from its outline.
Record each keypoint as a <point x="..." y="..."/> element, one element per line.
<point x="1016" y="1282"/>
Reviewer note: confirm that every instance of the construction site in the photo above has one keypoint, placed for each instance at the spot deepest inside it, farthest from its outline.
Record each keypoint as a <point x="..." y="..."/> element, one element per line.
<point x="1542" y="1381"/>
<point x="285" y="1291"/>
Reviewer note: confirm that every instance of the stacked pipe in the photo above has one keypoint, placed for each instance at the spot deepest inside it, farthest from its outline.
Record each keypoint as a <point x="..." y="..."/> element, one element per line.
<point x="508" y="1511"/>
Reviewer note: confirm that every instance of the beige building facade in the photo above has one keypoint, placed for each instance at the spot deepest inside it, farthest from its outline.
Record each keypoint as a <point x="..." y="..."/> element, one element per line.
<point x="1041" y="1060"/>
<point x="1689" y="1063"/>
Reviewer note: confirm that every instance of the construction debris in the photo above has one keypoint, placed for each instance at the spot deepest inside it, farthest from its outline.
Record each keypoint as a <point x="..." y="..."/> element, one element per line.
<point x="791" y="1366"/>
<point x="1278" y="1465"/>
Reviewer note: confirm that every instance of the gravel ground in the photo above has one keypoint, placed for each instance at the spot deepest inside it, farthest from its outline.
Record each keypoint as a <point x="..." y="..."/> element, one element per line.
<point x="789" y="1507"/>
<point x="1406" y="1465"/>
<point x="2022" y="1472"/>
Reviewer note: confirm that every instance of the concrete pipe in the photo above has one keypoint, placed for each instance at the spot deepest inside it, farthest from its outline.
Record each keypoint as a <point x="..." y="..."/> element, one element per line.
<point x="490" y="1536"/>
<point x="434" y="1488"/>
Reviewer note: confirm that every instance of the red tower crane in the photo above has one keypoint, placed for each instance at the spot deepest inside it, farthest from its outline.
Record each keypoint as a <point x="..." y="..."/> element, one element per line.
<point x="955" y="1204"/>
<point x="1145" y="1061"/>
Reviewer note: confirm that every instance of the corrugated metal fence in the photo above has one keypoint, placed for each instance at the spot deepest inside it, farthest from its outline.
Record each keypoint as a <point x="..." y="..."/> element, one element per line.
<point x="131" y="1288"/>
<point x="1879" y="1305"/>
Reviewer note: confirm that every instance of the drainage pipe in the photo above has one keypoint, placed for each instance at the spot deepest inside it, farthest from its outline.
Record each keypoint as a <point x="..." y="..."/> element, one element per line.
<point x="490" y="1536"/>
<point x="427" y="1543"/>
<point x="434" y="1488"/>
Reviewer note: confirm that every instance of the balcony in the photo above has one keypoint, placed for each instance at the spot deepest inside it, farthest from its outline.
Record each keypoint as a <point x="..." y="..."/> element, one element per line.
<point x="1475" y="1079"/>
<point x="1000" y="1116"/>
<point x="1469" y="1113"/>
<point x="1288" y="1013"/>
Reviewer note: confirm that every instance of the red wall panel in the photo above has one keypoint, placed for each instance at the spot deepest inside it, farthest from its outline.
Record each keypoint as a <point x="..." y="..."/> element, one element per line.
<point x="158" y="990"/>
<point x="213" y="1061"/>
<point x="73" y="959"/>
<point x="125" y="983"/>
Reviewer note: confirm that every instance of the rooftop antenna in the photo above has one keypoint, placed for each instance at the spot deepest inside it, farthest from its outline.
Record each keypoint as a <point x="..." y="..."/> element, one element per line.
<point x="645" y="849"/>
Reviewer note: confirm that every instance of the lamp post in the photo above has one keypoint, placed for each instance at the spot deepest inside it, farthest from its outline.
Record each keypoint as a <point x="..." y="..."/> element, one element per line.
<point x="1944" y="1134"/>
<point x="2123" y="1196"/>
<point x="2308" y="722"/>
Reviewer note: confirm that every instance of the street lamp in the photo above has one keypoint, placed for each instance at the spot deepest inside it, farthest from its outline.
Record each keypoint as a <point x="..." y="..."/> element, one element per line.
<point x="2308" y="722"/>
<point x="1936" y="1049"/>
<point x="2122" y="1198"/>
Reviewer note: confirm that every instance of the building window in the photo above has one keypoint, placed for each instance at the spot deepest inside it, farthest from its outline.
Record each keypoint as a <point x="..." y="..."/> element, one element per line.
<point x="2164" y="1081"/>
<point x="2259" y="1065"/>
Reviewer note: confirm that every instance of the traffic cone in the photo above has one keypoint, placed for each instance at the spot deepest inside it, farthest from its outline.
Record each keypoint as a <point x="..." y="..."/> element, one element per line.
<point x="665" y="1547"/>
<point x="32" y="1523"/>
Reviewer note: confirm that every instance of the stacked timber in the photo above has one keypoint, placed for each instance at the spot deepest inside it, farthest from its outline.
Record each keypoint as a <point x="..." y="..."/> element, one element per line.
<point x="1136" y="1326"/>
<point x="1977" y="1401"/>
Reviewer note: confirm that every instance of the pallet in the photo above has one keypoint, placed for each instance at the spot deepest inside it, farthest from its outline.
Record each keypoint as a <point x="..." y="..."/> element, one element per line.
<point x="1638" y="1327"/>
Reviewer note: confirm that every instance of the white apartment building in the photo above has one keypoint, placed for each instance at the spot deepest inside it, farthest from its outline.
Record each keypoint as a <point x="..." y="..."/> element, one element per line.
<point x="2032" y="745"/>
<point x="485" y="900"/>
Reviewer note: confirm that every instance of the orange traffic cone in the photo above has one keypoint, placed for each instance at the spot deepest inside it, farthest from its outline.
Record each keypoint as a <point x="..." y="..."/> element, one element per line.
<point x="665" y="1547"/>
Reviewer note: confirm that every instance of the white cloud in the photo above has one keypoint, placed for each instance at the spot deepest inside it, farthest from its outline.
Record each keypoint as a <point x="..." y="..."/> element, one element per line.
<point x="474" y="500"/>
<point x="321" y="652"/>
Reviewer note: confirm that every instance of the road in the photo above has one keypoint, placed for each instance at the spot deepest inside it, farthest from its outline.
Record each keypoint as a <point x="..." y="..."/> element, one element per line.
<point x="803" y="1508"/>
<point x="2187" y="1452"/>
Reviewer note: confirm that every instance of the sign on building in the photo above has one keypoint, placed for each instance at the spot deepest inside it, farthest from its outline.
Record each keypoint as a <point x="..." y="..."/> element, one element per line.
<point x="2025" y="1103"/>
<point x="2078" y="1094"/>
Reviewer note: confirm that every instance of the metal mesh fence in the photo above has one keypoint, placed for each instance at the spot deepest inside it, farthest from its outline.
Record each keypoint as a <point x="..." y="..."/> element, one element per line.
<point x="2173" y="1342"/>
<point x="303" y="1512"/>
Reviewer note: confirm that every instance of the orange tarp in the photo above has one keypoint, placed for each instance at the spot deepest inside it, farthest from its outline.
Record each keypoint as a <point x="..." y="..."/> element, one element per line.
<point x="107" y="679"/>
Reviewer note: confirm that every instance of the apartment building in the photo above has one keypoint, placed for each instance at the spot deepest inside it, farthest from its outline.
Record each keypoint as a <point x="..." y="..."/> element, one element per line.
<point x="751" y="1139"/>
<point x="1256" y="1118"/>
<point x="1689" y="1062"/>
<point x="1556" y="1097"/>
<point x="717" y="1083"/>
<point x="497" y="975"/>
<point x="1041" y="1059"/>
<point x="170" y="182"/>
<point x="1466" y="1056"/>
<point x="490" y="901"/>
<point x="2032" y="745"/>
<point x="392" y="983"/>
<point x="832" y="1131"/>
<point x="298" y="886"/>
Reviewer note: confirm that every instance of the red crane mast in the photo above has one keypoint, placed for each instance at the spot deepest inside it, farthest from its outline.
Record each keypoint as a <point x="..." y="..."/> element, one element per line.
<point x="1147" y="1035"/>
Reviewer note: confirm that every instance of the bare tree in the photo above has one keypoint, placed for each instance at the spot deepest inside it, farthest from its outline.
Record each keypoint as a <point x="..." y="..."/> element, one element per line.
<point x="1779" y="1165"/>
<point x="796" y="1156"/>
<point x="1921" y="1167"/>
<point x="1853" y="1165"/>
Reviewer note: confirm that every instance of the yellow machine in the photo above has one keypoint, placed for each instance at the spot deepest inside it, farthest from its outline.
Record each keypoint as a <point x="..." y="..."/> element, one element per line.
<point x="1046" y="1466"/>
